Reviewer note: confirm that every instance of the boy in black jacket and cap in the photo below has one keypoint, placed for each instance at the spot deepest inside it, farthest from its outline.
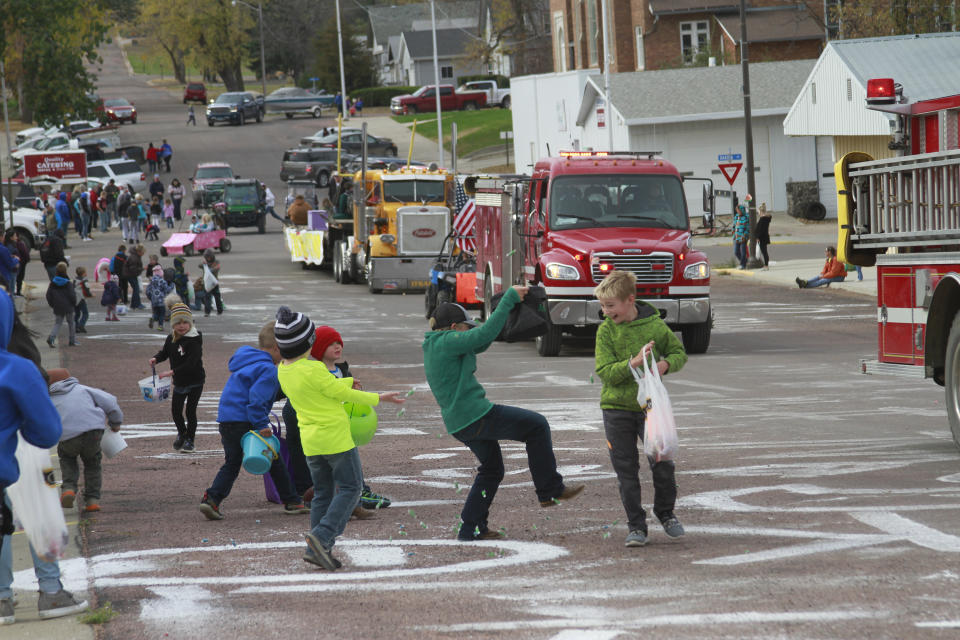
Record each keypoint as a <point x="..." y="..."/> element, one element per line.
<point x="62" y="298"/>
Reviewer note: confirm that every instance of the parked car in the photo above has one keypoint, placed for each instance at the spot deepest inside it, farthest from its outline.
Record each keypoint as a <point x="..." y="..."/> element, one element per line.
<point x="235" y="107"/>
<point x="424" y="99"/>
<point x="310" y="141"/>
<point x="27" y="221"/>
<point x="77" y="127"/>
<point x="352" y="142"/>
<point x="292" y="100"/>
<point x="313" y="164"/>
<point x="207" y="182"/>
<point x="120" y="110"/>
<point x="35" y="132"/>
<point x="195" y="92"/>
<point x="496" y="96"/>
<point x="122" y="171"/>
<point x="53" y="143"/>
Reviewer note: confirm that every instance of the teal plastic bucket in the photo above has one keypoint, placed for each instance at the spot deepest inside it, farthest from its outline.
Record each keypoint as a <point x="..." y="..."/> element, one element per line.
<point x="258" y="452"/>
<point x="363" y="422"/>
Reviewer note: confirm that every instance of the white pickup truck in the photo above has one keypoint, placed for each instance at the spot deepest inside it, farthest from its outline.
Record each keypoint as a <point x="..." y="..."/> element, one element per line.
<point x="495" y="95"/>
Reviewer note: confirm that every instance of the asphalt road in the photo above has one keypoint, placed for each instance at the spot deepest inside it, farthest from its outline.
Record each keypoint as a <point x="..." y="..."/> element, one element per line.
<point x="818" y="503"/>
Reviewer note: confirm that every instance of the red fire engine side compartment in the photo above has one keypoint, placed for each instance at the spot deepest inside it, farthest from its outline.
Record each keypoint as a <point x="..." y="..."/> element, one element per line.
<point x="581" y="216"/>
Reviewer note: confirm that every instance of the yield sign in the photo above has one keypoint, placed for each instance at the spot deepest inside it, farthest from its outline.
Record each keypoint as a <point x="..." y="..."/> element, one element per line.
<point x="731" y="171"/>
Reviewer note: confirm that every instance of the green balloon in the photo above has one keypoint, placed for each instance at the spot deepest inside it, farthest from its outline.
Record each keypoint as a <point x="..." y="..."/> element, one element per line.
<point x="363" y="422"/>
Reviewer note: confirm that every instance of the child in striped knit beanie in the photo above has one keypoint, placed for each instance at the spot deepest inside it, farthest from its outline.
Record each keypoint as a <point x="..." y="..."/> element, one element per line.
<point x="184" y="348"/>
<point x="318" y="397"/>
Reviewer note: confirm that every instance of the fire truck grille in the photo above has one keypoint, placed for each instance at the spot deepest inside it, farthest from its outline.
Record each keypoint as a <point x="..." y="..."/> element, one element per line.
<point x="652" y="269"/>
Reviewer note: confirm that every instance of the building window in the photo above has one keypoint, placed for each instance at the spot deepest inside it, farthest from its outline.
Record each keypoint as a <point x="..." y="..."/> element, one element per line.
<point x="694" y="39"/>
<point x="577" y="33"/>
<point x="446" y="72"/>
<point x="813" y="93"/>
<point x="641" y="59"/>
<point x="592" y="33"/>
<point x="559" y="42"/>
<point x="849" y="90"/>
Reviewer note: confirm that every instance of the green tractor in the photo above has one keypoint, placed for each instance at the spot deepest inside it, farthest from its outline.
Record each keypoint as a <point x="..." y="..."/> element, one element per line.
<point x="245" y="202"/>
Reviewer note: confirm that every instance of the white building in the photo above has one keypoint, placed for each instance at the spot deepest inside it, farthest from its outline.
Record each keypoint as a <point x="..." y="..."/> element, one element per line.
<point x="693" y="116"/>
<point x="830" y="106"/>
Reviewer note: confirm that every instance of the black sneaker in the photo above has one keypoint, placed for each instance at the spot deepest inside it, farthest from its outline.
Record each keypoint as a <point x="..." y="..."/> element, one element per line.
<point x="178" y="443"/>
<point x="672" y="527"/>
<point x="323" y="556"/>
<point x="310" y="557"/>
<point x="371" y="500"/>
<point x="293" y="509"/>
<point x="188" y="446"/>
<point x="210" y="509"/>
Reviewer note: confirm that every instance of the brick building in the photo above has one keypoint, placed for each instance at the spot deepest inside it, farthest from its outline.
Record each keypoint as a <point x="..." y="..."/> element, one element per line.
<point x="666" y="34"/>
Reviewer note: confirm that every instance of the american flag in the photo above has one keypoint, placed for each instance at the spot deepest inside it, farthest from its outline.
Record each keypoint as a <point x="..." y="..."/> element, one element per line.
<point x="465" y="219"/>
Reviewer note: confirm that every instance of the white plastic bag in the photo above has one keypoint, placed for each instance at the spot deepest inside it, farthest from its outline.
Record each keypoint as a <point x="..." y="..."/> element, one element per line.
<point x="660" y="429"/>
<point x="210" y="281"/>
<point x="36" y="502"/>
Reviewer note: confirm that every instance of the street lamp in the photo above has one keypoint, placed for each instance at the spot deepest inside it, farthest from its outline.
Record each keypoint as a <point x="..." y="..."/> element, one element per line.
<point x="263" y="64"/>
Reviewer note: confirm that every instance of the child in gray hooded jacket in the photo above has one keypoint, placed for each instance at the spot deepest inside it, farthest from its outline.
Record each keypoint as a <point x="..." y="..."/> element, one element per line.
<point x="83" y="411"/>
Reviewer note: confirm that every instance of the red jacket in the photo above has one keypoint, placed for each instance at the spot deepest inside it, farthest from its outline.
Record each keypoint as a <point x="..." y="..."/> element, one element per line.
<point x="833" y="268"/>
<point x="152" y="153"/>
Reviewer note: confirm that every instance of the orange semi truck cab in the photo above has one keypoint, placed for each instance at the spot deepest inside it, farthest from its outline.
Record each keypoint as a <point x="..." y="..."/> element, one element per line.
<point x="577" y="218"/>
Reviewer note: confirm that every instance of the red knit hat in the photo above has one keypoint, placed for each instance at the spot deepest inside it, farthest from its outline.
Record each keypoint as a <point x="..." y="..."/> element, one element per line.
<point x="325" y="336"/>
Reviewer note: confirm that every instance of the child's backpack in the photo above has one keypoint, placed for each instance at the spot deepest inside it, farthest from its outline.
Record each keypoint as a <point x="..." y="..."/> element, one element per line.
<point x="46" y="250"/>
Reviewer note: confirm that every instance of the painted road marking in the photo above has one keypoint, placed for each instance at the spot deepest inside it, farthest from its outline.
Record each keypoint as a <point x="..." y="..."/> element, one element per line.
<point x="725" y="500"/>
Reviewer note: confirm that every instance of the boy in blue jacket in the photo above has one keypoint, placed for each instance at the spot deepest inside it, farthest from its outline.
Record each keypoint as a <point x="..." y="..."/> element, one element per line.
<point x="245" y="406"/>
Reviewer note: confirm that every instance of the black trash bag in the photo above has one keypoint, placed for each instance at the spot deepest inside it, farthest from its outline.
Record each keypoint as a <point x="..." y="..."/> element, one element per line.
<point x="527" y="320"/>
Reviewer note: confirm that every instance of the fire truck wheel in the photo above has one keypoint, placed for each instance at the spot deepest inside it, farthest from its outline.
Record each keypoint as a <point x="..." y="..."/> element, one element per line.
<point x="548" y="345"/>
<point x="341" y="269"/>
<point x="696" y="337"/>
<point x="952" y="379"/>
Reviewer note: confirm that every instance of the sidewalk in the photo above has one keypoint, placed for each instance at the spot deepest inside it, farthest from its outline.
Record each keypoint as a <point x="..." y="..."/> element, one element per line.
<point x="784" y="273"/>
<point x="28" y="625"/>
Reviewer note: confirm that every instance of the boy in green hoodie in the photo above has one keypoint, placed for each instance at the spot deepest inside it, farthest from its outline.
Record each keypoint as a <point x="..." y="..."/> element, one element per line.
<point x="630" y="328"/>
<point x="450" y="361"/>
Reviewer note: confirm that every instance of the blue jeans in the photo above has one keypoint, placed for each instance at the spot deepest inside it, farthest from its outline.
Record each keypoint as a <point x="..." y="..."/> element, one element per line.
<point x="506" y="423"/>
<point x="81" y="314"/>
<point x="158" y="315"/>
<point x="135" y="294"/>
<point x="337" y="479"/>
<point x="230" y="435"/>
<point x="48" y="573"/>
<point x="819" y="282"/>
<point x="740" y="252"/>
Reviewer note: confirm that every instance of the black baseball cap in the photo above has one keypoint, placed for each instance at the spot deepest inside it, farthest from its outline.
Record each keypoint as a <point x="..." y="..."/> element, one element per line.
<point x="448" y="313"/>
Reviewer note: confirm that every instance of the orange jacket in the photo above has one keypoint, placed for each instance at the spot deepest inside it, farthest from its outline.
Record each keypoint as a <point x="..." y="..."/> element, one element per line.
<point x="833" y="268"/>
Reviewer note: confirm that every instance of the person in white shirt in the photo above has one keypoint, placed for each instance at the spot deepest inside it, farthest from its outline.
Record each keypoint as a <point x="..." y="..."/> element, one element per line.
<point x="270" y="201"/>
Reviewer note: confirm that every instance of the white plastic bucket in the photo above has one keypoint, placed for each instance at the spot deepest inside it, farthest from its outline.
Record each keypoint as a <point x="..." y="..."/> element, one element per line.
<point x="112" y="443"/>
<point x="154" y="389"/>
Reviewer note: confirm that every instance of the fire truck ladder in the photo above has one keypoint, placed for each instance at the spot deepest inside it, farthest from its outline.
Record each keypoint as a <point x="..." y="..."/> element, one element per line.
<point x="905" y="202"/>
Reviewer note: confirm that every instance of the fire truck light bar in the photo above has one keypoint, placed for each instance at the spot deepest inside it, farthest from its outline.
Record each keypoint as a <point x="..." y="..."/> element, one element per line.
<point x="881" y="91"/>
<point x="602" y="154"/>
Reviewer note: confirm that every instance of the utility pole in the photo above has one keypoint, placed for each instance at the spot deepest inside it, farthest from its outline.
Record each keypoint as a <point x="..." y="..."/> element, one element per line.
<point x="436" y="80"/>
<point x="748" y="131"/>
<point x="263" y="63"/>
<point x="607" y="59"/>
<point x="343" y="82"/>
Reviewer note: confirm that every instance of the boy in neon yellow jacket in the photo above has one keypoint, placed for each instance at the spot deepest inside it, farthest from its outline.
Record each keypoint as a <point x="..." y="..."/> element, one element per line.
<point x="318" y="396"/>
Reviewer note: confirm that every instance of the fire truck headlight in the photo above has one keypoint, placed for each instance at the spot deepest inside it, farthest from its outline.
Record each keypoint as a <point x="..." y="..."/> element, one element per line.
<point x="558" y="271"/>
<point x="697" y="271"/>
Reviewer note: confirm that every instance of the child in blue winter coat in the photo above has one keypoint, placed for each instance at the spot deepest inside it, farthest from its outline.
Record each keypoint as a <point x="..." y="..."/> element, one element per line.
<point x="157" y="291"/>
<point x="83" y="411"/>
<point x="245" y="406"/>
<point x="110" y="297"/>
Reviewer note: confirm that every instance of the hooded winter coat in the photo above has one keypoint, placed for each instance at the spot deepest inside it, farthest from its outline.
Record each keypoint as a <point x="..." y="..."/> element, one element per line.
<point x="157" y="290"/>
<point x="83" y="408"/>
<point x="251" y="388"/>
<point x="61" y="296"/>
<point x="25" y="405"/>
<point x="63" y="211"/>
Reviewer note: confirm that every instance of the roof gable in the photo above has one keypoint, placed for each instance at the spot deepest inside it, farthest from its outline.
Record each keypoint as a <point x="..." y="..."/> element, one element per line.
<point x="450" y="43"/>
<point x="698" y="93"/>
<point x="387" y="21"/>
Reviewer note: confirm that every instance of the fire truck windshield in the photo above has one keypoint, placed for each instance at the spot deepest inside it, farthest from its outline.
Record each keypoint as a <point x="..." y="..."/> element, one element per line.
<point x="422" y="191"/>
<point x="617" y="200"/>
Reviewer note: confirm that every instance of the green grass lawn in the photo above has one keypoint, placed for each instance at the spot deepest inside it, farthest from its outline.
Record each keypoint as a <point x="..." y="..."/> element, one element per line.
<point x="476" y="129"/>
<point x="147" y="59"/>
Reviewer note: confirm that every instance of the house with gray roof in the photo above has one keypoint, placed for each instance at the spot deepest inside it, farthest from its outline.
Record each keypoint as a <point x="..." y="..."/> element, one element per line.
<point x="830" y="105"/>
<point x="415" y="57"/>
<point x="693" y="116"/>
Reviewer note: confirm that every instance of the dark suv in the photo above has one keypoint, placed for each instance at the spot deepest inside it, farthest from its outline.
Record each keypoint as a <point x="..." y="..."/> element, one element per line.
<point x="311" y="164"/>
<point x="235" y="107"/>
<point x="195" y="92"/>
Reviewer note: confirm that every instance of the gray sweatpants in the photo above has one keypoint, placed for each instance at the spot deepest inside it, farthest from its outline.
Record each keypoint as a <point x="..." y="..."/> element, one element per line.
<point x="86" y="447"/>
<point x="624" y="431"/>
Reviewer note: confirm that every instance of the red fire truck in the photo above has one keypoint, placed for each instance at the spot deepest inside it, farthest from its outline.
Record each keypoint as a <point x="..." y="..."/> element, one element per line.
<point x="581" y="215"/>
<point x="902" y="214"/>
